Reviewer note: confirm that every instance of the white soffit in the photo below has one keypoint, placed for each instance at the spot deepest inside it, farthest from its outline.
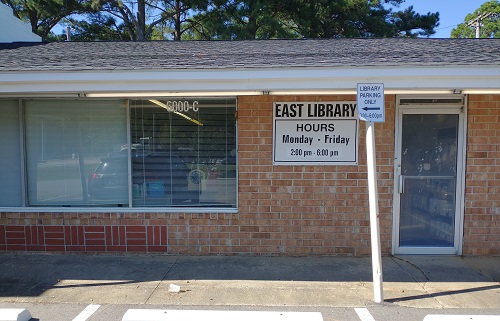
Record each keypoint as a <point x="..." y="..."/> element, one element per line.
<point x="223" y="80"/>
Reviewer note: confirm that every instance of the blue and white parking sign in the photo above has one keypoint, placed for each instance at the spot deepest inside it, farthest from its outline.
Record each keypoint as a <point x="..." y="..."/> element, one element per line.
<point x="371" y="102"/>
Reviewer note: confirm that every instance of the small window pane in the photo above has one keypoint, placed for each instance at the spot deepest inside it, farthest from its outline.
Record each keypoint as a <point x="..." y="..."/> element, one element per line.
<point x="183" y="152"/>
<point x="75" y="153"/>
<point x="10" y="162"/>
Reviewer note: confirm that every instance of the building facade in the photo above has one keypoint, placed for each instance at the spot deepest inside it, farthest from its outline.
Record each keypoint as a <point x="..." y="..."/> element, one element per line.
<point x="249" y="148"/>
<point x="14" y="29"/>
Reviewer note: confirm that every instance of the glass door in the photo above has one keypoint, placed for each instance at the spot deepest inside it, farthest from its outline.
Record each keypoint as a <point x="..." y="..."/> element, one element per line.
<point x="428" y="180"/>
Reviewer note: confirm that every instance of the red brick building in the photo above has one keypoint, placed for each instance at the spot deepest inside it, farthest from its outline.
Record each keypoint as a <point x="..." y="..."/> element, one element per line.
<point x="189" y="148"/>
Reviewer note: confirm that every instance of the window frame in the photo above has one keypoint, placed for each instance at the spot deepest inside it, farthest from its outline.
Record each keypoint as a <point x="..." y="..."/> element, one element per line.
<point x="112" y="209"/>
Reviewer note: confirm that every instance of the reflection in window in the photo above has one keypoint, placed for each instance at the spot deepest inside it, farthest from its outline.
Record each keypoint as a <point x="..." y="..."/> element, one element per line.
<point x="10" y="162"/>
<point x="183" y="152"/>
<point x="74" y="153"/>
<point x="433" y="150"/>
<point x="429" y="162"/>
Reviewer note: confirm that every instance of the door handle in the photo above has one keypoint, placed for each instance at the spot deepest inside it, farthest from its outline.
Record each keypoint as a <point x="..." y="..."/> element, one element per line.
<point x="401" y="184"/>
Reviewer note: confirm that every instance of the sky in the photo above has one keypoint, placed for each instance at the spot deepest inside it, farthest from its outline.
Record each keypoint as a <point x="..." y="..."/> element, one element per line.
<point x="451" y="12"/>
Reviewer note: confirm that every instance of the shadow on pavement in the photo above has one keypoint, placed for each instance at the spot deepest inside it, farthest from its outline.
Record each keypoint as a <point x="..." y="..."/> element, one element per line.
<point x="444" y="293"/>
<point x="25" y="274"/>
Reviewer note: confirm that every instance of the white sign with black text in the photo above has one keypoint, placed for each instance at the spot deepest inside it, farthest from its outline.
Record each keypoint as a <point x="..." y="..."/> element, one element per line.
<point x="315" y="133"/>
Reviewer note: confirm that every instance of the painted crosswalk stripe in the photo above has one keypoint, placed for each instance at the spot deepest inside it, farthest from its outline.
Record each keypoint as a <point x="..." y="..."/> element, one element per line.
<point x="87" y="312"/>
<point x="364" y="314"/>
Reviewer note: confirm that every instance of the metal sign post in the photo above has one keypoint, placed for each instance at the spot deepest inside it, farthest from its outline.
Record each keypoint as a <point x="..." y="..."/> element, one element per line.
<point x="370" y="100"/>
<point x="378" y="291"/>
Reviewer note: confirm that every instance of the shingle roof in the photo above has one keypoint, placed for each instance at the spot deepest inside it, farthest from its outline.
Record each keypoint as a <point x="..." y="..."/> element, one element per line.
<point x="198" y="55"/>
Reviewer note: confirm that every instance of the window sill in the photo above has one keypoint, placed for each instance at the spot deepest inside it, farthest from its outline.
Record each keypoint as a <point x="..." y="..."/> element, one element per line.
<point x="120" y="209"/>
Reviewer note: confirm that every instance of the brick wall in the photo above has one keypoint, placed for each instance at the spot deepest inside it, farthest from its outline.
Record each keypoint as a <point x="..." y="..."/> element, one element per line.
<point x="482" y="192"/>
<point x="309" y="210"/>
<point x="116" y="232"/>
<point x="283" y="210"/>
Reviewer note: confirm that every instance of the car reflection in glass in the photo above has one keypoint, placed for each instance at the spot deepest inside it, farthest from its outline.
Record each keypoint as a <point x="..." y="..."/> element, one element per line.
<point x="158" y="178"/>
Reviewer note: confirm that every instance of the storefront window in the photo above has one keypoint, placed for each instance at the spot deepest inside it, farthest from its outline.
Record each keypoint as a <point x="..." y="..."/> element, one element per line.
<point x="10" y="162"/>
<point x="74" y="153"/>
<point x="183" y="152"/>
<point x="119" y="153"/>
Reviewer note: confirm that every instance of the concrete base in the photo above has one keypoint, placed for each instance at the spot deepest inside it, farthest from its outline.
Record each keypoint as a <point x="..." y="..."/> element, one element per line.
<point x="14" y="315"/>
<point x="210" y="315"/>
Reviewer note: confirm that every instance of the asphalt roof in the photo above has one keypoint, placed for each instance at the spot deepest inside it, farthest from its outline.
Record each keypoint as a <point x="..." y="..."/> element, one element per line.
<point x="299" y="53"/>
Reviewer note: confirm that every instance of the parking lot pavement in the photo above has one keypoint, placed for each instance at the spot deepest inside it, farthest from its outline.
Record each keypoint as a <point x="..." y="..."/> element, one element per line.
<point x="375" y="312"/>
<point x="415" y="281"/>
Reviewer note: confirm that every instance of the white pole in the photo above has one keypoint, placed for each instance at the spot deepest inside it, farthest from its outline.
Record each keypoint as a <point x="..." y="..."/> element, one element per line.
<point x="378" y="292"/>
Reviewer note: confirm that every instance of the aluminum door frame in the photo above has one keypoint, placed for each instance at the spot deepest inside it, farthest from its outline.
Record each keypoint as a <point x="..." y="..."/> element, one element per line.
<point x="426" y="108"/>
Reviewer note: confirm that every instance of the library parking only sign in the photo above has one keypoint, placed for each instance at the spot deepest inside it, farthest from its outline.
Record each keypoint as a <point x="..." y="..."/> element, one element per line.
<point x="370" y="99"/>
<point x="315" y="133"/>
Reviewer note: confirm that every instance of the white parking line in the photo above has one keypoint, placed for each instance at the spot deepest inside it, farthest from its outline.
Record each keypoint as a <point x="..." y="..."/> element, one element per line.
<point x="15" y="315"/>
<point x="451" y="317"/>
<point x="364" y="314"/>
<point x="216" y="315"/>
<point x="87" y="312"/>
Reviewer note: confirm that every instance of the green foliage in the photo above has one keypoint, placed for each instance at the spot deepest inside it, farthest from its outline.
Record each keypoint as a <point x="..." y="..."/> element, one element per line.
<point x="97" y="27"/>
<point x="357" y="18"/>
<point x="490" y="26"/>
<point x="408" y="23"/>
<point x="149" y="19"/>
<point x="225" y="19"/>
<point x="248" y="19"/>
<point x="255" y="19"/>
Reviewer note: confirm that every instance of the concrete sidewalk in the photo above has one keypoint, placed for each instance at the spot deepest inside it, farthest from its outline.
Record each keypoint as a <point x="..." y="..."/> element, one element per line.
<point x="412" y="281"/>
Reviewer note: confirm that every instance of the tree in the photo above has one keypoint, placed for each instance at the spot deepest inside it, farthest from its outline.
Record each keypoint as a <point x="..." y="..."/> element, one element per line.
<point x="225" y="19"/>
<point x="408" y="23"/>
<point x="357" y="18"/>
<point x="142" y="17"/>
<point x="246" y="19"/>
<point x="96" y="26"/>
<point x="490" y="23"/>
<point x="43" y="15"/>
<point x="257" y="19"/>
